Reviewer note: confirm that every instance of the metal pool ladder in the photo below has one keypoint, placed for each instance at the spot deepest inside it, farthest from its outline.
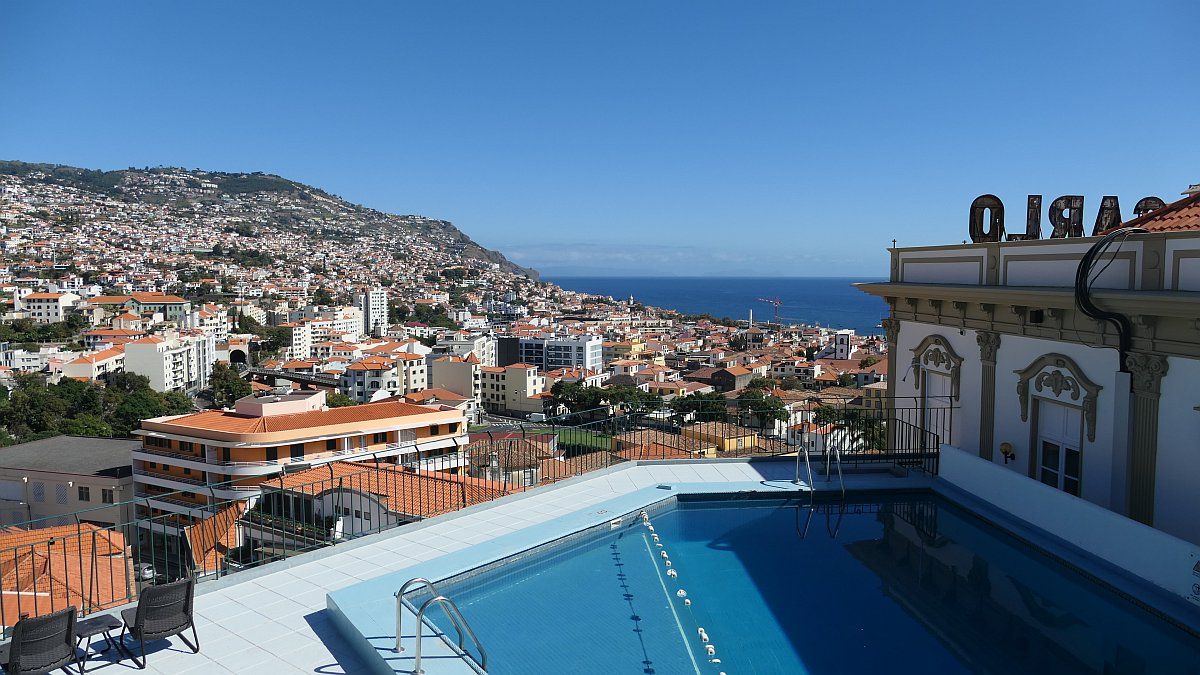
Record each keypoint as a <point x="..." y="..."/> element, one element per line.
<point x="460" y="622"/>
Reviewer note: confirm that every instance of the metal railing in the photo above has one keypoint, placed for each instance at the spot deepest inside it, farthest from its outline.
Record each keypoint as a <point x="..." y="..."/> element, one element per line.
<point x="279" y="515"/>
<point x="460" y="625"/>
<point x="904" y="433"/>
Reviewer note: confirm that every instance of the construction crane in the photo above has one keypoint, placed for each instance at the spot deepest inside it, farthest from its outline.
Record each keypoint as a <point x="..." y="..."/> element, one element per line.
<point x="776" y="302"/>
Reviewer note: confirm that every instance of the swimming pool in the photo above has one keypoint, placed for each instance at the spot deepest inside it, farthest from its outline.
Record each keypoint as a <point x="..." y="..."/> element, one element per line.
<point x="900" y="584"/>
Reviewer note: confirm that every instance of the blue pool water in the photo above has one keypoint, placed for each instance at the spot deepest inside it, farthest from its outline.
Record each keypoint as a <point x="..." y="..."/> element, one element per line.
<point x="905" y="584"/>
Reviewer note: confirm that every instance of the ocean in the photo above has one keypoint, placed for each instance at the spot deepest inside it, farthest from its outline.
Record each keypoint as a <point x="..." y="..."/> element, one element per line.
<point x="824" y="301"/>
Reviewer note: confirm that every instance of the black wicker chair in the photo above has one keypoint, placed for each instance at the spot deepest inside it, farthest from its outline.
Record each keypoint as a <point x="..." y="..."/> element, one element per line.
<point x="41" y="644"/>
<point x="162" y="611"/>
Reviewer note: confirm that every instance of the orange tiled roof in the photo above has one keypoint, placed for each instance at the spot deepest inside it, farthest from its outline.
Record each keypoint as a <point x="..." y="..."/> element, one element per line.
<point x="1174" y="217"/>
<point x="231" y="422"/>
<point x="48" y="569"/>
<point x="438" y="393"/>
<point x="421" y="493"/>
<point x="215" y="536"/>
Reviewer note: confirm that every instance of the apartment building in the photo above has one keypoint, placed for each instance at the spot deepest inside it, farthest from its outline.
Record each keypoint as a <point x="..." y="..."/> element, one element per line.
<point x="330" y="322"/>
<point x="49" y="307"/>
<point x="415" y="371"/>
<point x="371" y="377"/>
<point x="95" y="365"/>
<point x="553" y="351"/>
<point x="173" y="361"/>
<point x="208" y="319"/>
<point x="373" y="303"/>
<point x="185" y="461"/>
<point x="300" y="339"/>
<point x="460" y="343"/>
<point x="516" y="388"/>
<point x="460" y="375"/>
<point x="171" y="307"/>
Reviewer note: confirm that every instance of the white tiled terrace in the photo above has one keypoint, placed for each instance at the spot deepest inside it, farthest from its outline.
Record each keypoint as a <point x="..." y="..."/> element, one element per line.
<point x="275" y="618"/>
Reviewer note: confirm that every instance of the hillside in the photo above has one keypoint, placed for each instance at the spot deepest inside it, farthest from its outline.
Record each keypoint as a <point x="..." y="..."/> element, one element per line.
<point x="259" y="207"/>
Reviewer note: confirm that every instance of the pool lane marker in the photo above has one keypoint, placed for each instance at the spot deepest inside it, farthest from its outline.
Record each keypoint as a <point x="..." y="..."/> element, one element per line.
<point x="709" y="649"/>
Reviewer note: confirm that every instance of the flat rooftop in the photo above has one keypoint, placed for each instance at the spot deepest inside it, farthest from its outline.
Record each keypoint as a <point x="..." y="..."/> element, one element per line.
<point x="77" y="455"/>
<point x="276" y="617"/>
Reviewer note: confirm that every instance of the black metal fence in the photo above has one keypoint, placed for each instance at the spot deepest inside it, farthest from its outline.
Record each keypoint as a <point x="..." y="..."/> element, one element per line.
<point x="207" y="532"/>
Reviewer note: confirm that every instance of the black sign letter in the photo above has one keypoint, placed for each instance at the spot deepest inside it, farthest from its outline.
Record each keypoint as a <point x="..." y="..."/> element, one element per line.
<point x="1033" y="220"/>
<point x="1066" y="215"/>
<point x="1146" y="205"/>
<point x="995" y="232"/>
<point x="1109" y="215"/>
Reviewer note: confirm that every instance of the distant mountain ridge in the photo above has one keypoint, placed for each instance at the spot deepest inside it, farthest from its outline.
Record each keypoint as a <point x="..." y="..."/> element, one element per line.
<point x="298" y="207"/>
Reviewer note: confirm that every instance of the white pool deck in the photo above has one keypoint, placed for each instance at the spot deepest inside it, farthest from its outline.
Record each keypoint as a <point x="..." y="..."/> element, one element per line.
<point x="275" y="618"/>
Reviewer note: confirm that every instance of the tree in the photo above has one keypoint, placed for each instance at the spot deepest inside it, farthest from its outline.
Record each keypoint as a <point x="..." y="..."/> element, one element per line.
<point x="763" y="407"/>
<point x="634" y="398"/>
<point x="338" y="400"/>
<point x="867" y="432"/>
<point x="846" y="380"/>
<point x="868" y="362"/>
<point x="791" y="383"/>
<point x="86" y="425"/>
<point x="707" y="407"/>
<point x="227" y="385"/>
<point x="177" y="403"/>
<point x="761" y="383"/>
<point x="739" y="343"/>
<point x="140" y="405"/>
<point x="575" y="396"/>
<point x="323" y="297"/>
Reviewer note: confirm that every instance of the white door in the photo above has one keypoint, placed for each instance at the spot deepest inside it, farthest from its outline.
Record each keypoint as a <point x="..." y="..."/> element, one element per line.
<point x="937" y="405"/>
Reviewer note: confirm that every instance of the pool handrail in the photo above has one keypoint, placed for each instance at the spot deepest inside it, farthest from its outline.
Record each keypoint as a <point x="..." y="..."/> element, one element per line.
<point x="460" y="625"/>
<point x="400" y="605"/>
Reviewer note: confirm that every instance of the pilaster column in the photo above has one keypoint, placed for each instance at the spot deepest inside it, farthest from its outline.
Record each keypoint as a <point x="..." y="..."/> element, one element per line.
<point x="1147" y="371"/>
<point x="891" y="327"/>
<point x="989" y="344"/>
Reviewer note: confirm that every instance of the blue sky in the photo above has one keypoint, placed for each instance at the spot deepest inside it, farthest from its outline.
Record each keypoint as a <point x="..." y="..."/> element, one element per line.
<point x="650" y="137"/>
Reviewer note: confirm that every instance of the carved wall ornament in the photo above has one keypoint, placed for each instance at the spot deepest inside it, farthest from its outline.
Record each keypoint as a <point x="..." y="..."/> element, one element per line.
<point x="891" y="328"/>
<point x="935" y="354"/>
<point x="1146" y="371"/>
<point x="1057" y="382"/>
<point x="1055" y="376"/>
<point x="989" y="344"/>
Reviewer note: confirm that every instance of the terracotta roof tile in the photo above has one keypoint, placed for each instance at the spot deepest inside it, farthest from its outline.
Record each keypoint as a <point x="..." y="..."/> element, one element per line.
<point x="1174" y="217"/>
<point x="231" y="422"/>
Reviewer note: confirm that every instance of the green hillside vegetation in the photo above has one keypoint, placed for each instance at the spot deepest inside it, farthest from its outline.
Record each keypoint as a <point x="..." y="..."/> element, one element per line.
<point x="33" y="410"/>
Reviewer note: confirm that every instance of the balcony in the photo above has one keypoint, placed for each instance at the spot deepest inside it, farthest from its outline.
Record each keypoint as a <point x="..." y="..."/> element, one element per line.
<point x="168" y="502"/>
<point x="160" y="452"/>
<point x="160" y="478"/>
<point x="257" y="467"/>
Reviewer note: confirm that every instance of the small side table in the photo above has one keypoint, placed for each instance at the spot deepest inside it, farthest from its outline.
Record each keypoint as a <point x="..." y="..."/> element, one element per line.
<point x="90" y="628"/>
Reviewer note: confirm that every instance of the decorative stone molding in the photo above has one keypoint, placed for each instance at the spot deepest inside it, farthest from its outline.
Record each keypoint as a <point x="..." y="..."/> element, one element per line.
<point x="891" y="328"/>
<point x="1056" y="376"/>
<point x="1147" y="371"/>
<point x="989" y="343"/>
<point x="935" y="354"/>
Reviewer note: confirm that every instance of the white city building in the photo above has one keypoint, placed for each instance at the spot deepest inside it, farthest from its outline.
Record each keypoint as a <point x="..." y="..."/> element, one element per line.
<point x="374" y="307"/>
<point x="552" y="351"/>
<point x="48" y="307"/>
<point x="173" y="362"/>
